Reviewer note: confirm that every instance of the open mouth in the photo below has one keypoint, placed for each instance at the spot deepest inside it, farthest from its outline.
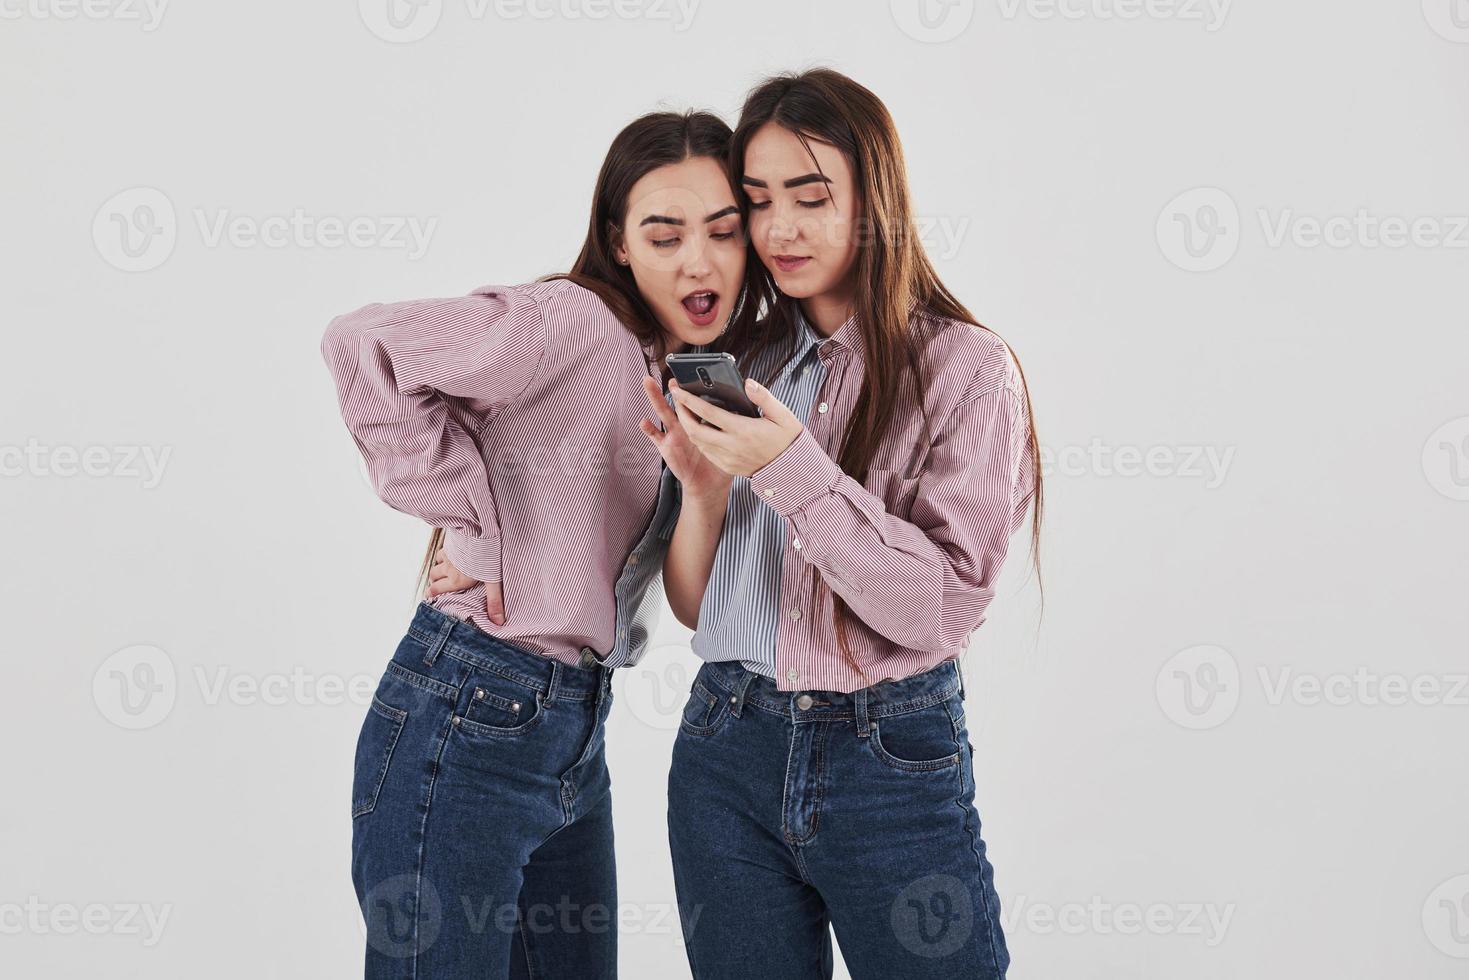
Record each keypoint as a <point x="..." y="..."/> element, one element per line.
<point x="790" y="263"/>
<point x="701" y="306"/>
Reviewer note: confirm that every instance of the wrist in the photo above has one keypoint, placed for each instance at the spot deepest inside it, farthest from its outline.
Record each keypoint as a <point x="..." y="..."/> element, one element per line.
<point x="710" y="496"/>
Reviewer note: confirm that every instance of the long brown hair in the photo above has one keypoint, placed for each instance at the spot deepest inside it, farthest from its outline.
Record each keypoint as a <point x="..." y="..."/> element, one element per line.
<point x="658" y="139"/>
<point x="894" y="276"/>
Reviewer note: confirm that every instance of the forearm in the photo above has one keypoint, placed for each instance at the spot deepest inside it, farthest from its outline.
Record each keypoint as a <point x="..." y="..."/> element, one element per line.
<point x="922" y="577"/>
<point x="690" y="556"/>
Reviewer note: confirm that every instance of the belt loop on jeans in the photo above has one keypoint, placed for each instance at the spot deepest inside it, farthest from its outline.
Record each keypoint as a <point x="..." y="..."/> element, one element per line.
<point x="959" y="669"/>
<point x="439" y="641"/>
<point x="737" y="699"/>
<point x="859" y="697"/>
<point x="555" y="681"/>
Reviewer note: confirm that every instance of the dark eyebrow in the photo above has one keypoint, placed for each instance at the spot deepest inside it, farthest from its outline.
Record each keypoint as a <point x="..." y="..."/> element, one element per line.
<point x="808" y="179"/>
<point x="793" y="182"/>
<point x="663" y="219"/>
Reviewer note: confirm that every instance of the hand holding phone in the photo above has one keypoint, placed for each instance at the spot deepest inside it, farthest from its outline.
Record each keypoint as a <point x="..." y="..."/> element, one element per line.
<point x="714" y="378"/>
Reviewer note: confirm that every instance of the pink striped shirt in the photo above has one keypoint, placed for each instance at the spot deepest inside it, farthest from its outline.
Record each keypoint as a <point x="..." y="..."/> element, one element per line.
<point x="509" y="417"/>
<point x="915" y="551"/>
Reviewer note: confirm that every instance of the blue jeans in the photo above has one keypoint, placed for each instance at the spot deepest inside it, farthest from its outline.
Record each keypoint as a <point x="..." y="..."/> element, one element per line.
<point x="482" y="812"/>
<point x="792" y="811"/>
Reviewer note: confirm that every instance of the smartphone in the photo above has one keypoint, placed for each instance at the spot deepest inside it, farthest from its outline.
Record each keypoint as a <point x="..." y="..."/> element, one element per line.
<point x="714" y="378"/>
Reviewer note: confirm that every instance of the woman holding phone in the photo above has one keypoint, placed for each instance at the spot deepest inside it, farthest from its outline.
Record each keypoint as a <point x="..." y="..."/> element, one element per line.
<point x="833" y="565"/>
<point x="508" y="419"/>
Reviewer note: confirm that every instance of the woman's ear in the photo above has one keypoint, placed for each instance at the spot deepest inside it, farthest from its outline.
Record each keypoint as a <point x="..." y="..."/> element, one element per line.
<point x="619" y="245"/>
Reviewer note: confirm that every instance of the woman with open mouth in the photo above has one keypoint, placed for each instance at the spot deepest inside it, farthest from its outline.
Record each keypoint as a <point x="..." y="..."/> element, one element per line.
<point x="822" y="776"/>
<point x="508" y="419"/>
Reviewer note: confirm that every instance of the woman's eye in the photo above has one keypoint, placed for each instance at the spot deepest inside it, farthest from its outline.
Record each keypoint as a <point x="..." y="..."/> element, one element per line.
<point x="664" y="242"/>
<point x="813" y="204"/>
<point x="759" y="205"/>
<point x="722" y="236"/>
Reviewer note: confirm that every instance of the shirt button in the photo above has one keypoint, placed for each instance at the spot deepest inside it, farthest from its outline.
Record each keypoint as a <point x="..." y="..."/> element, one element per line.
<point x="632" y="559"/>
<point x="770" y="491"/>
<point x="821" y="408"/>
<point x="792" y="674"/>
<point x="795" y="614"/>
<point x="804" y="702"/>
<point x="796" y="544"/>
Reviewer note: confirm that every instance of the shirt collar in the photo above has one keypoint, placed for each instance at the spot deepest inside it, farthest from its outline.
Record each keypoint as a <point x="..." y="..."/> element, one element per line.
<point x="806" y="339"/>
<point x="847" y="339"/>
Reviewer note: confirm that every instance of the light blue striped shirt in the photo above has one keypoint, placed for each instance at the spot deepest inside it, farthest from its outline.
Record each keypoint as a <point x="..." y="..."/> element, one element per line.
<point x="740" y="611"/>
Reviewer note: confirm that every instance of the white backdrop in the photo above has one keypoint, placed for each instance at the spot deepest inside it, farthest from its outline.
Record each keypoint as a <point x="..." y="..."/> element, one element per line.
<point x="1228" y="240"/>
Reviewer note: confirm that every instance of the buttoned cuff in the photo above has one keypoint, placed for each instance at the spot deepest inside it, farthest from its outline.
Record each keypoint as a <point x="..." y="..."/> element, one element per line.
<point x="479" y="558"/>
<point x="798" y="476"/>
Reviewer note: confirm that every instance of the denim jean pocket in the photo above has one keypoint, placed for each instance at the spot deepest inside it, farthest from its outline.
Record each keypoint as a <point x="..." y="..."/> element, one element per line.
<point x="925" y="740"/>
<point x="705" y="712"/>
<point x="495" y="705"/>
<point x="375" y="743"/>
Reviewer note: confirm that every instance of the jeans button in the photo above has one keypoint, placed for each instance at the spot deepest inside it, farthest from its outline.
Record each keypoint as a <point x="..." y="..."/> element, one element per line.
<point x="804" y="702"/>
